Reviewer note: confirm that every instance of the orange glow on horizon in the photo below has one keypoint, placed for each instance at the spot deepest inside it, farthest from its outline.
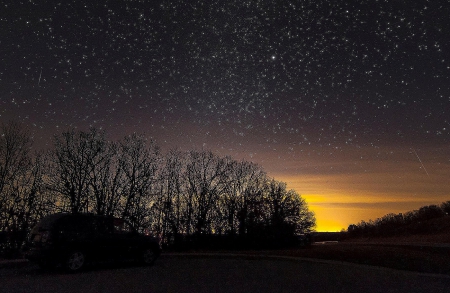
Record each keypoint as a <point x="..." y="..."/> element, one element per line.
<point x="365" y="191"/>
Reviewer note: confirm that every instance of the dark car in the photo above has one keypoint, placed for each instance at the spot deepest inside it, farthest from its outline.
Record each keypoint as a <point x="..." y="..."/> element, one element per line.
<point x="71" y="240"/>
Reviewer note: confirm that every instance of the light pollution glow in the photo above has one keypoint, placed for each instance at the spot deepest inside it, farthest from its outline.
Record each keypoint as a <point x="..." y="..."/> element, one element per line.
<point x="346" y="190"/>
<point x="342" y="184"/>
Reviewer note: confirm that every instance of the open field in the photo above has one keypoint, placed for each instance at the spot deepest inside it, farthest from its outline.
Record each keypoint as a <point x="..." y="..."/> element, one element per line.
<point x="413" y="257"/>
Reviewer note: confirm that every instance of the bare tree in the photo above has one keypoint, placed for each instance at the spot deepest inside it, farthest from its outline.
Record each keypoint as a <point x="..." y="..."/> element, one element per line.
<point x="106" y="180"/>
<point x="193" y="193"/>
<point x="15" y="146"/>
<point x="171" y="198"/>
<point x="140" y="162"/>
<point x="206" y="180"/>
<point x="22" y="200"/>
<point x="71" y="165"/>
<point x="243" y="181"/>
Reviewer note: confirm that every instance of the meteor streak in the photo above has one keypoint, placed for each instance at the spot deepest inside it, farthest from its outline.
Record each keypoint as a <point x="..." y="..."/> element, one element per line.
<point x="421" y="162"/>
<point x="40" y="74"/>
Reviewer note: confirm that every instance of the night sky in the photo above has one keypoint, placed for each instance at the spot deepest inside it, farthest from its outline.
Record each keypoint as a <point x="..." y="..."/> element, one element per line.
<point x="346" y="101"/>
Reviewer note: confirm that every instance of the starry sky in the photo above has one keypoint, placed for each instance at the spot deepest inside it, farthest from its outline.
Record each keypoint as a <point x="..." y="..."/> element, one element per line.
<point x="346" y="101"/>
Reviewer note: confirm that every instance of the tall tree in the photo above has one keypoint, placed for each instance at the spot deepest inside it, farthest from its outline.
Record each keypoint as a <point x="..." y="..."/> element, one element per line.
<point x="71" y="165"/>
<point x="15" y="147"/>
<point x="140" y="161"/>
<point x="243" y="179"/>
<point x="288" y="211"/>
<point x="172" y="199"/>
<point x="22" y="200"/>
<point x="106" y="180"/>
<point x="205" y="176"/>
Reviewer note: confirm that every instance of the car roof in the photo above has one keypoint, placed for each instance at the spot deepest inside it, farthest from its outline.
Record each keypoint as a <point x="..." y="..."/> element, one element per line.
<point x="50" y="219"/>
<point x="47" y="221"/>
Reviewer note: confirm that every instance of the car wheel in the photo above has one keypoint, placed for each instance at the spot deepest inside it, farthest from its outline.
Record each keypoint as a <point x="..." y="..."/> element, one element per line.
<point x="149" y="256"/>
<point x="75" y="261"/>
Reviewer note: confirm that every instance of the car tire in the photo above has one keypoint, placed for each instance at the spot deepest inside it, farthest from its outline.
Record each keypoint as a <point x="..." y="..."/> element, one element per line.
<point x="149" y="256"/>
<point x="75" y="261"/>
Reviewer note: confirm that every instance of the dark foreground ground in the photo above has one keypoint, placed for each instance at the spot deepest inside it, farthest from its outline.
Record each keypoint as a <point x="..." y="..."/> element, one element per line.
<point x="425" y="258"/>
<point x="409" y="256"/>
<point x="223" y="273"/>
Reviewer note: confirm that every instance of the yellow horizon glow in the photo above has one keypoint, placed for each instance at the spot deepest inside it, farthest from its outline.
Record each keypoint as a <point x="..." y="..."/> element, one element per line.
<point x="339" y="200"/>
<point x="332" y="218"/>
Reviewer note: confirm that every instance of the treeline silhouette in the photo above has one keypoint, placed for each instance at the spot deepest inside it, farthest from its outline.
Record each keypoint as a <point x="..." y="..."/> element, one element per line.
<point x="412" y="222"/>
<point x="191" y="199"/>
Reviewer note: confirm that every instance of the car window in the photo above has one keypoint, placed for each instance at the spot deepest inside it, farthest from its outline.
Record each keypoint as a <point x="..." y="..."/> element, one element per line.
<point x="102" y="225"/>
<point x="73" y="224"/>
<point x="121" y="226"/>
